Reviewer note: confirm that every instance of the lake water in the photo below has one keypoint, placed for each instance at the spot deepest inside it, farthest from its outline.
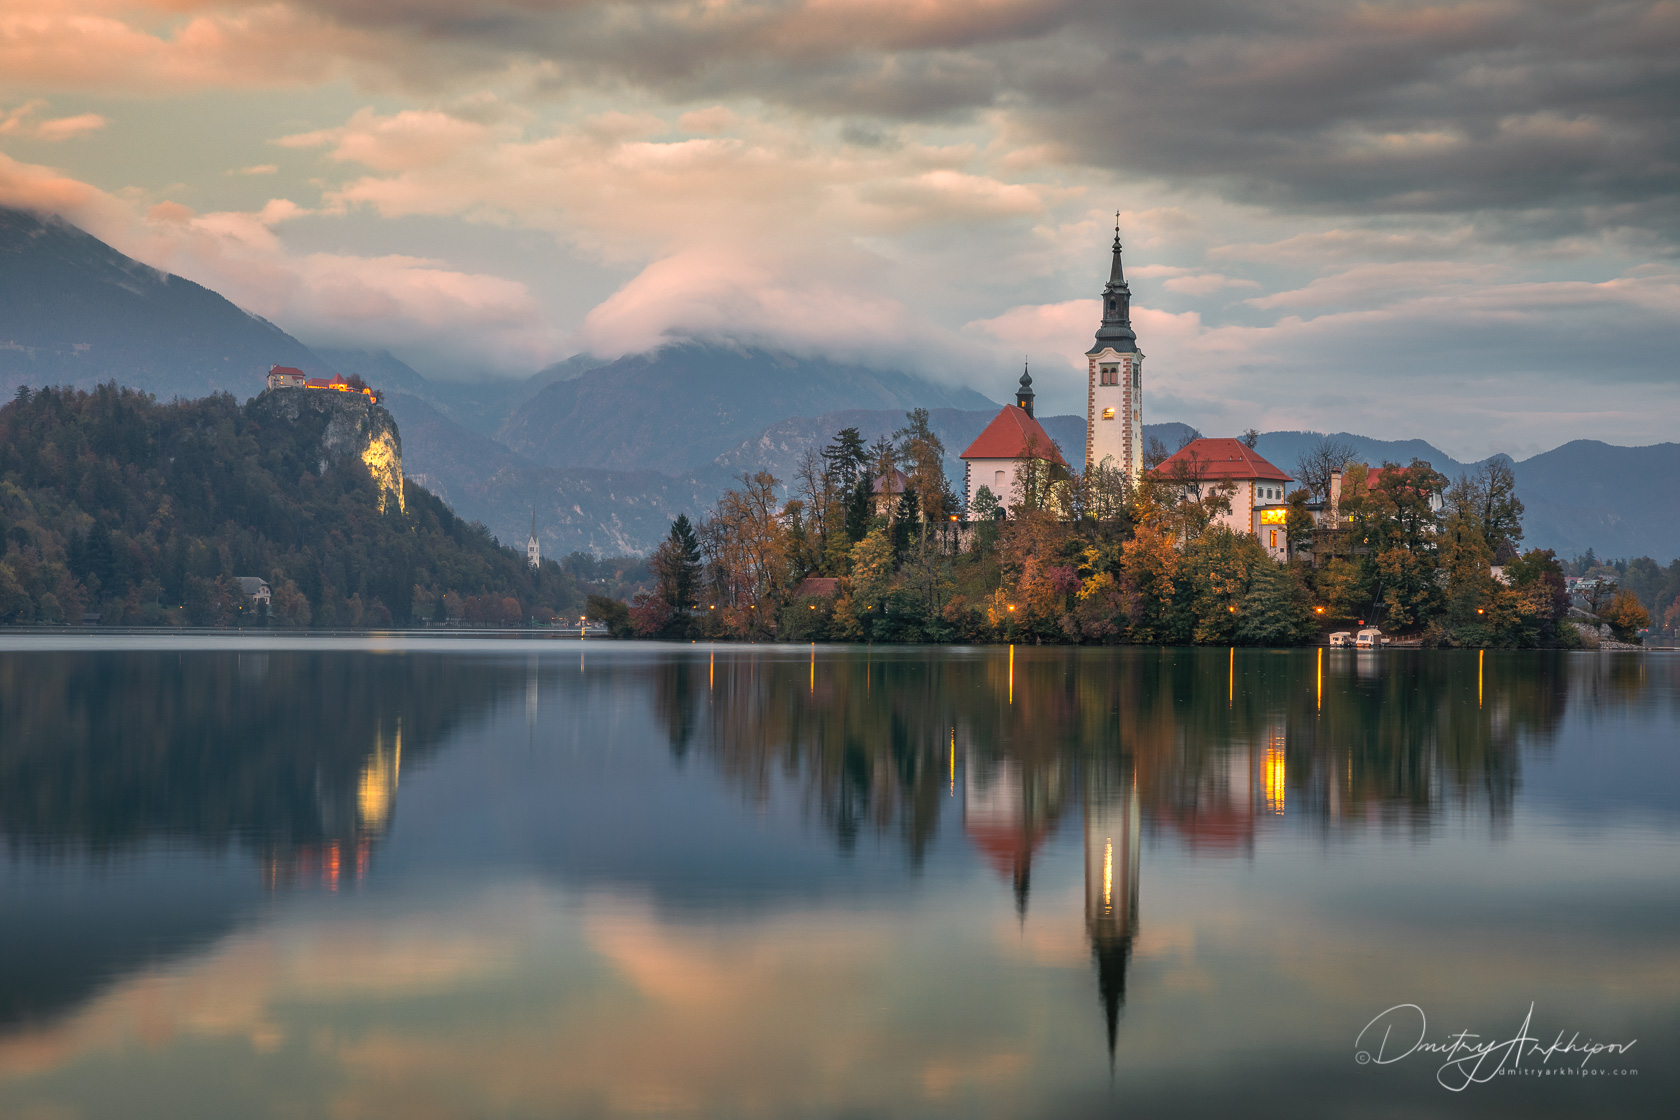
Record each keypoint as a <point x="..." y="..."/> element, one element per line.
<point x="478" y="878"/>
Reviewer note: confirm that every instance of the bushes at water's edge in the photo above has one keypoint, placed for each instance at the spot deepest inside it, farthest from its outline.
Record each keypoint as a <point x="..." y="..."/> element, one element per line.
<point x="147" y="513"/>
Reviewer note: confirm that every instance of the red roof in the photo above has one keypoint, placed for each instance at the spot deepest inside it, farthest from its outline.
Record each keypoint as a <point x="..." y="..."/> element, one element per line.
<point x="817" y="587"/>
<point x="291" y="371"/>
<point x="1007" y="436"/>
<point x="1220" y="458"/>
<point x="900" y="483"/>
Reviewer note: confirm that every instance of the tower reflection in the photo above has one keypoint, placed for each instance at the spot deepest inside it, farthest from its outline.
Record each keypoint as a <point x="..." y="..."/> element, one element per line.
<point x="1112" y="830"/>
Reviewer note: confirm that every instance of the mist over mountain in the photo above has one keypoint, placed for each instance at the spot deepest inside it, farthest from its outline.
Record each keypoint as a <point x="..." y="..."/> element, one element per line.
<point x="581" y="509"/>
<point x="74" y="311"/>
<point x="607" y="452"/>
<point x="672" y="408"/>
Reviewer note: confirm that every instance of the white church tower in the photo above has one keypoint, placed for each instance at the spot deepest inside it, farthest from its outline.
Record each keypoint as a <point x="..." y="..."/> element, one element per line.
<point x="533" y="555"/>
<point x="1114" y="397"/>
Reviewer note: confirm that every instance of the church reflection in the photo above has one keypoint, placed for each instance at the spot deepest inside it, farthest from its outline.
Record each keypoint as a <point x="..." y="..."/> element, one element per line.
<point x="1206" y="749"/>
<point x="296" y="764"/>
<point x="1112" y="843"/>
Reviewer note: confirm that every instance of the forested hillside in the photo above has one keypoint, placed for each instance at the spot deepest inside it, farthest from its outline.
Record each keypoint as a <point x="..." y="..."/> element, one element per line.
<point x="148" y="513"/>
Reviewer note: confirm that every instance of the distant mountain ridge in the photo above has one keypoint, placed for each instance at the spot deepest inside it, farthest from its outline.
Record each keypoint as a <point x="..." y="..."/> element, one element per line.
<point x="672" y="408"/>
<point x="607" y="452"/>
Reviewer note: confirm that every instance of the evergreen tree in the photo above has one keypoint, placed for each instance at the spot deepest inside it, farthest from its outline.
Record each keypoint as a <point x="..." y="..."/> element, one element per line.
<point x="1276" y="610"/>
<point x="685" y="576"/>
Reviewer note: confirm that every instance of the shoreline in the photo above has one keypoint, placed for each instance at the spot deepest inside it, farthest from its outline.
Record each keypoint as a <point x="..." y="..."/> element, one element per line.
<point x="575" y="635"/>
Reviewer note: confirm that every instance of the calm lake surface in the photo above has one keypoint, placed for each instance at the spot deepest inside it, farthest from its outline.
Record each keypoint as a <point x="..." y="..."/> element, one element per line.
<point x="412" y="877"/>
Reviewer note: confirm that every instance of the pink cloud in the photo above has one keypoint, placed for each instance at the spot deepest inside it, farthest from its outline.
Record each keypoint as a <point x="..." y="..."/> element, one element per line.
<point x="731" y="296"/>
<point x="474" y="319"/>
<point x="20" y="122"/>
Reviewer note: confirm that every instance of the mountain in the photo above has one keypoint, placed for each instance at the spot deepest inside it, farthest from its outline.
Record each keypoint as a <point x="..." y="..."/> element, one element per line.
<point x="74" y="311"/>
<point x="779" y="447"/>
<point x="577" y="509"/>
<point x="1614" y="500"/>
<point x="1284" y="450"/>
<point x="683" y="405"/>
<point x="480" y="406"/>
<point x="608" y="452"/>
<point x="1575" y="497"/>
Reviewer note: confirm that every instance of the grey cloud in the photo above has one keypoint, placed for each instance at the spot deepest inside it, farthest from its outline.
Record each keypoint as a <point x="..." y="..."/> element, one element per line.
<point x="1560" y="115"/>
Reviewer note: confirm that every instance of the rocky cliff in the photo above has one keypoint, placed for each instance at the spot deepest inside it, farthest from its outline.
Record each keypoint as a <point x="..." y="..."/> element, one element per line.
<point x="352" y="426"/>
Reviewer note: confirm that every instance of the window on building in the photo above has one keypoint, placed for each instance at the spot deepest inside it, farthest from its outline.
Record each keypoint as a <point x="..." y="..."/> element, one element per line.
<point x="997" y="481"/>
<point x="1110" y="375"/>
<point x="1108" y="414"/>
<point x="1137" y="380"/>
<point x="1274" y="538"/>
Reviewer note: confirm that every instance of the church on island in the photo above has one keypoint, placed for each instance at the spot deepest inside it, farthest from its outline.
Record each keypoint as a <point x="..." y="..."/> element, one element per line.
<point x="1114" y="434"/>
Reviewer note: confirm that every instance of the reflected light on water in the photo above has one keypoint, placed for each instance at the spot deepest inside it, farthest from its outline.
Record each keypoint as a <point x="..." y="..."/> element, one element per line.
<point x="1276" y="775"/>
<point x="753" y="901"/>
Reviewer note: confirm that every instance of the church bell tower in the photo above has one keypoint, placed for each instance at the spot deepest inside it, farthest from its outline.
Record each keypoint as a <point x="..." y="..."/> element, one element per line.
<point x="1114" y="394"/>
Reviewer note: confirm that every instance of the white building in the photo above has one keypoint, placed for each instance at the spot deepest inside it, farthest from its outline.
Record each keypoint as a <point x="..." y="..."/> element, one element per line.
<point x="992" y="460"/>
<point x="1114" y="390"/>
<point x="1257" y="503"/>
<point x="533" y="554"/>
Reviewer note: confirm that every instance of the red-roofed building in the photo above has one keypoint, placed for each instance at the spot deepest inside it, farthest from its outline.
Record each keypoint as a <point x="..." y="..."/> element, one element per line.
<point x="991" y="460"/>
<point x="335" y="383"/>
<point x="285" y="377"/>
<point x="816" y="587"/>
<point x="1257" y="504"/>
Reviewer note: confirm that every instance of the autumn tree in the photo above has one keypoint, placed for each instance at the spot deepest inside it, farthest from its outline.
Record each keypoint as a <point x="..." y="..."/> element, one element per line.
<point x="922" y="455"/>
<point x="1626" y="616"/>
<point x="745" y="542"/>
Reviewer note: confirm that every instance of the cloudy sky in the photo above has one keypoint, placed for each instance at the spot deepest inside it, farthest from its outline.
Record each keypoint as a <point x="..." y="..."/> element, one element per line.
<point x="1457" y="221"/>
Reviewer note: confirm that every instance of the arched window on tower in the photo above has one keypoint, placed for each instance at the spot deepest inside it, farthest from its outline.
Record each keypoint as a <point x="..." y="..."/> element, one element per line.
<point x="1110" y="375"/>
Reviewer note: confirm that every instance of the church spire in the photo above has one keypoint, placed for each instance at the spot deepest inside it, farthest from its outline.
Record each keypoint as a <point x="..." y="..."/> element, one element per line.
<point x="1116" y="331"/>
<point x="1024" y="394"/>
<point x="1116" y="277"/>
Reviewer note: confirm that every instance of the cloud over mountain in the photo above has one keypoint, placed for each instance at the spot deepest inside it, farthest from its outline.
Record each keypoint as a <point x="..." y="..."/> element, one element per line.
<point x="1332" y="210"/>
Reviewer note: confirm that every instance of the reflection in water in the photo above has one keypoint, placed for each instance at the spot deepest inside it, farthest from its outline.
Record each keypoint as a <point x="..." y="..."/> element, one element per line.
<point x="1133" y="737"/>
<point x="107" y="757"/>
<point x="1111" y="881"/>
<point x="903" y="768"/>
<point x="103" y="752"/>
<point x="1286" y="737"/>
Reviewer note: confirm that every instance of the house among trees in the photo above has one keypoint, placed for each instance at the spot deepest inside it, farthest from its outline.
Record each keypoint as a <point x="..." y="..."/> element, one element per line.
<point x="1256" y="488"/>
<point x="286" y="377"/>
<point x="886" y="489"/>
